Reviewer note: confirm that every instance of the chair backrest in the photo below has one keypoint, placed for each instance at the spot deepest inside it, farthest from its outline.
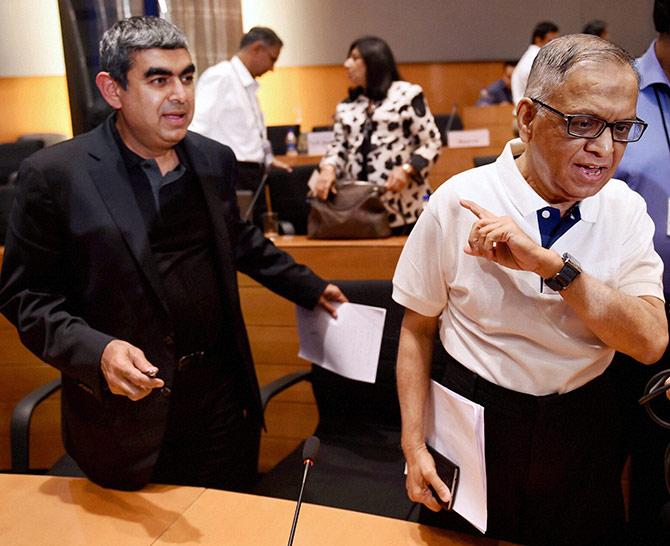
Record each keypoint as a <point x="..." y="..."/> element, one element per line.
<point x="288" y="195"/>
<point x="277" y="137"/>
<point x="345" y="402"/>
<point x="446" y="123"/>
<point x="481" y="160"/>
<point x="13" y="153"/>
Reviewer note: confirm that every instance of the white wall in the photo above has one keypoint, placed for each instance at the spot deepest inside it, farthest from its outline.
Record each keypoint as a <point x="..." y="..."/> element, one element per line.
<point x="319" y="31"/>
<point x="30" y="38"/>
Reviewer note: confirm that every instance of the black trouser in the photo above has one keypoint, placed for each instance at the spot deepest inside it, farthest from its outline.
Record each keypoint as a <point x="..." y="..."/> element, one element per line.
<point x="553" y="463"/>
<point x="209" y="441"/>
<point x="250" y="176"/>
<point x="646" y="443"/>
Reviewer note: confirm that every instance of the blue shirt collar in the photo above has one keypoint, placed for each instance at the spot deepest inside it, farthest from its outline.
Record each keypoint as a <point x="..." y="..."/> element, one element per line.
<point x="650" y="69"/>
<point x="526" y="200"/>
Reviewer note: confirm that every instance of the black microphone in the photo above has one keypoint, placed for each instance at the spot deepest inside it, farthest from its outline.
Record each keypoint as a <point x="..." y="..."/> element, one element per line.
<point x="451" y="119"/>
<point x="309" y="452"/>
<point x="257" y="194"/>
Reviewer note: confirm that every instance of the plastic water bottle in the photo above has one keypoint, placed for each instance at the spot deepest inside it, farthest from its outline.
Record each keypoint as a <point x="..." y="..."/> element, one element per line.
<point x="291" y="143"/>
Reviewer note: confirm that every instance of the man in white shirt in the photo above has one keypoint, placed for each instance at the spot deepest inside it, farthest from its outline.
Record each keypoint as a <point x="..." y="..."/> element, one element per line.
<point x="536" y="269"/>
<point x="543" y="33"/>
<point x="227" y="109"/>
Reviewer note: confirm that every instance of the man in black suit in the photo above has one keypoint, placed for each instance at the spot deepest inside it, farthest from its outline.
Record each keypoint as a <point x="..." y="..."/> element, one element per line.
<point x="120" y="270"/>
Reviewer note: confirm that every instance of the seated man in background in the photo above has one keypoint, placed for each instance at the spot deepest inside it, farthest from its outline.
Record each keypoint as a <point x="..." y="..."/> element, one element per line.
<point x="120" y="270"/>
<point x="536" y="270"/>
<point x="500" y="91"/>
<point x="543" y="33"/>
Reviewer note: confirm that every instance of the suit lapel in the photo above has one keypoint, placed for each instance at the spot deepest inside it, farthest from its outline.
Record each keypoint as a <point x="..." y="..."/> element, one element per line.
<point x="109" y="175"/>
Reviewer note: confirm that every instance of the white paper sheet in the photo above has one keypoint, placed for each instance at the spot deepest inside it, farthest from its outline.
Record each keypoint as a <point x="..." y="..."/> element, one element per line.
<point x="348" y="345"/>
<point x="455" y="428"/>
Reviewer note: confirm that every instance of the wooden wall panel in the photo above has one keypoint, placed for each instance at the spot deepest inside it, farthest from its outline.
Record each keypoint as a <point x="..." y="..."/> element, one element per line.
<point x="37" y="104"/>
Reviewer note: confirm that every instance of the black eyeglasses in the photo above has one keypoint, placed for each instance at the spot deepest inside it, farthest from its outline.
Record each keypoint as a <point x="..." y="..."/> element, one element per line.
<point x="585" y="126"/>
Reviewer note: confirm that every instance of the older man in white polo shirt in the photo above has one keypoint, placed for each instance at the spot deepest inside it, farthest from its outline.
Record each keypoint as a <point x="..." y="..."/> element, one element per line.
<point x="536" y="269"/>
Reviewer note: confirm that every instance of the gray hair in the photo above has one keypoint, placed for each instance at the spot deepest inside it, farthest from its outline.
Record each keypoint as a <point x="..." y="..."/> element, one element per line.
<point x="555" y="60"/>
<point x="120" y="42"/>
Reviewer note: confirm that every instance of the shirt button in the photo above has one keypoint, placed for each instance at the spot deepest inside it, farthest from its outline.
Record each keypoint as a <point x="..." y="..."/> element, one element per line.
<point x="168" y="340"/>
<point x="166" y="392"/>
<point x="546" y="214"/>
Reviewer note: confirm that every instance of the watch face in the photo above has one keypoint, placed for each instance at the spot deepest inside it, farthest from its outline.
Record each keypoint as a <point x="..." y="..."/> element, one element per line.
<point x="568" y="273"/>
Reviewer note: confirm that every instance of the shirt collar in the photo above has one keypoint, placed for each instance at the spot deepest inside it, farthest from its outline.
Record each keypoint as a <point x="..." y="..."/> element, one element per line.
<point x="524" y="198"/>
<point x="243" y="73"/>
<point x="650" y="69"/>
<point x="130" y="158"/>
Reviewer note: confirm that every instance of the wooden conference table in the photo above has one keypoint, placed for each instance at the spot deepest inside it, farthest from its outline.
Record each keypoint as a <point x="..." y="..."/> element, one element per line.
<point x="45" y="510"/>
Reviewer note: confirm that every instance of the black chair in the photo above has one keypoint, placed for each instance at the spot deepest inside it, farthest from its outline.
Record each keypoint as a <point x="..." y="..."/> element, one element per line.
<point x="277" y="137"/>
<point x="288" y="195"/>
<point x="360" y="463"/>
<point x="480" y="160"/>
<point x="20" y="435"/>
<point x="13" y="153"/>
<point x="446" y="123"/>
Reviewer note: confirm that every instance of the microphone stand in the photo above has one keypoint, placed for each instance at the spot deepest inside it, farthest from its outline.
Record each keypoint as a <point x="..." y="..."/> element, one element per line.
<point x="309" y="451"/>
<point x="308" y="464"/>
<point x="257" y="193"/>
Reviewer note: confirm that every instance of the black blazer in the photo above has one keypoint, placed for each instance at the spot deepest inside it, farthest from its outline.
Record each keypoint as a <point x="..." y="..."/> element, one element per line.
<point x="78" y="272"/>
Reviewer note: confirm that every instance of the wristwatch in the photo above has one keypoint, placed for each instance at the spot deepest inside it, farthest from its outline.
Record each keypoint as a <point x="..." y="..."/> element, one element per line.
<point x="568" y="273"/>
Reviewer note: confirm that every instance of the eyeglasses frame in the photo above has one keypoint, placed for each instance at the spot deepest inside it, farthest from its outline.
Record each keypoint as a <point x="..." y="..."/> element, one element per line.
<point x="569" y="117"/>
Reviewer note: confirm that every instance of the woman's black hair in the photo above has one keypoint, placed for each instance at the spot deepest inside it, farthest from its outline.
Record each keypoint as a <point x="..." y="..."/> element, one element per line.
<point x="380" y="67"/>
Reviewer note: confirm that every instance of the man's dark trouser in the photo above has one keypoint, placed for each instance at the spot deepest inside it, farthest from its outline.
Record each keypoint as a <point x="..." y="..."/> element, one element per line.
<point x="210" y="441"/>
<point x="553" y="463"/>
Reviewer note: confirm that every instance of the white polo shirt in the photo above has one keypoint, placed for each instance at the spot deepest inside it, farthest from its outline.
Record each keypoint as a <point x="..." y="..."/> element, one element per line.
<point x="505" y="325"/>
<point x="227" y="110"/>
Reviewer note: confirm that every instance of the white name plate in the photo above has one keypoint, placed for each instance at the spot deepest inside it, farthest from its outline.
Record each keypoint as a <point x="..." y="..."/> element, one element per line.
<point x="318" y="142"/>
<point x="473" y="138"/>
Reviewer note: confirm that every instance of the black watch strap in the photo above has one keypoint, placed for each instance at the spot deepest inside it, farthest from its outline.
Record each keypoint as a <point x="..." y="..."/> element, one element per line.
<point x="568" y="273"/>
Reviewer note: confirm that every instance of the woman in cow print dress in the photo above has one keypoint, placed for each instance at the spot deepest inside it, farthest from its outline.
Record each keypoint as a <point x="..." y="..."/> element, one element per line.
<point x="384" y="133"/>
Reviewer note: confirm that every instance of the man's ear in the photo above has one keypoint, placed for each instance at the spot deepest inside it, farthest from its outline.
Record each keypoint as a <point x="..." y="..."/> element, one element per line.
<point x="109" y="89"/>
<point x="525" y="114"/>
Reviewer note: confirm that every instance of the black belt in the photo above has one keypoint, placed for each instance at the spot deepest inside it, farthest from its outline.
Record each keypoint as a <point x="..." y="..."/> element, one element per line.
<point x="251" y="165"/>
<point x="198" y="359"/>
<point x="466" y="380"/>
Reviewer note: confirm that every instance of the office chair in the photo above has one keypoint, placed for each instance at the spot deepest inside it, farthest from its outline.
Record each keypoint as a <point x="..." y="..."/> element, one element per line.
<point x="20" y="435"/>
<point x="446" y="123"/>
<point x="360" y="463"/>
<point x="277" y="137"/>
<point x="13" y="153"/>
<point x="288" y="195"/>
<point x="480" y="160"/>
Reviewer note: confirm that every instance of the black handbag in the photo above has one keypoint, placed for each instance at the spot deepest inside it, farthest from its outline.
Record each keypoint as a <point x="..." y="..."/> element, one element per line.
<point x="356" y="211"/>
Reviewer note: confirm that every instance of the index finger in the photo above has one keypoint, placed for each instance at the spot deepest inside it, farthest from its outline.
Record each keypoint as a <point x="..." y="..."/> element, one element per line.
<point x="479" y="212"/>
